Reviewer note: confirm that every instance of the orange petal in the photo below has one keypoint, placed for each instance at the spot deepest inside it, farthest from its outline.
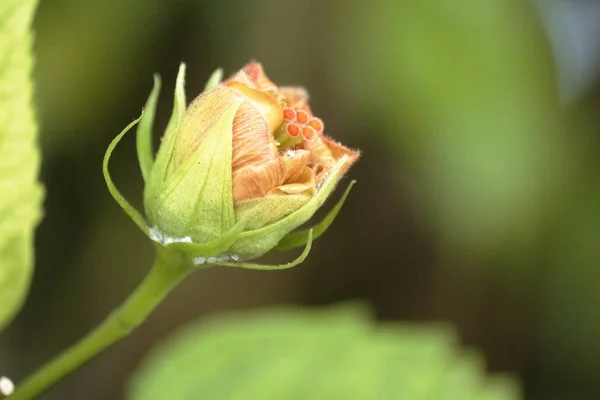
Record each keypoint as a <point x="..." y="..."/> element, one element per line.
<point x="288" y="172"/>
<point x="255" y="72"/>
<point x="292" y="163"/>
<point x="317" y="147"/>
<point x="253" y="144"/>
<point x="268" y="105"/>
<point x="338" y="150"/>
<point x="304" y="183"/>
<point x="325" y="152"/>
<point x="239" y="76"/>
<point x="295" y="97"/>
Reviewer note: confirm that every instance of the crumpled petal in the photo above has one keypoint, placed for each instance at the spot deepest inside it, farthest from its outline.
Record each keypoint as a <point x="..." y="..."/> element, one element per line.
<point x="286" y="174"/>
<point x="253" y="144"/>
<point x="303" y="183"/>
<point x="253" y="83"/>
<point x="268" y="105"/>
<point x="295" y="97"/>
<point x="325" y="152"/>
<point x="338" y="150"/>
<point x="256" y="74"/>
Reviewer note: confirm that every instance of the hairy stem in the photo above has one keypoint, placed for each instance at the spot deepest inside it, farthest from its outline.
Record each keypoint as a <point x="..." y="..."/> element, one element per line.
<point x="164" y="275"/>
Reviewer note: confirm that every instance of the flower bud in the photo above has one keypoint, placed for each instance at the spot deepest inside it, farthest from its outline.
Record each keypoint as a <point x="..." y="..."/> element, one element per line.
<point x="237" y="170"/>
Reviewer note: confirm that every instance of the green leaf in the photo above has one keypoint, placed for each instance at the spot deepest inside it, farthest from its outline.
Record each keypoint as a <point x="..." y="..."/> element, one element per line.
<point x="20" y="192"/>
<point x="144" y="131"/>
<point x="337" y="353"/>
<point x="471" y="86"/>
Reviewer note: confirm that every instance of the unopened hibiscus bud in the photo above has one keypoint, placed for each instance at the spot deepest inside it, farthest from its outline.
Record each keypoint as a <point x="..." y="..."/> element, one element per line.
<point x="239" y="169"/>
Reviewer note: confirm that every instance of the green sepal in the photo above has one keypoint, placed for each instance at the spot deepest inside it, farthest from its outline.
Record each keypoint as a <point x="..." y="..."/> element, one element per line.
<point x="255" y="243"/>
<point x="128" y="208"/>
<point x="179" y="102"/>
<point x="214" y="80"/>
<point x="144" y="131"/>
<point x="270" y="209"/>
<point x="161" y="164"/>
<point x="265" y="267"/>
<point x="298" y="238"/>
<point x="195" y="198"/>
<point x="210" y="249"/>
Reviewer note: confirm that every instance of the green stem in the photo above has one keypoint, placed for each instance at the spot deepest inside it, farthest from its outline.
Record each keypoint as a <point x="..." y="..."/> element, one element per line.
<point x="165" y="274"/>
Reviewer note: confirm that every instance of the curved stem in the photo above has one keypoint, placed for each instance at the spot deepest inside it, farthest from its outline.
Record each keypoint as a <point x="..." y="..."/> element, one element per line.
<point x="164" y="275"/>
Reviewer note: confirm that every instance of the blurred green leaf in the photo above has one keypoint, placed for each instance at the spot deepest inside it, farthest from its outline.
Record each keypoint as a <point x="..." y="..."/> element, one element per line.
<point x="291" y="354"/>
<point x="20" y="193"/>
<point x="468" y="92"/>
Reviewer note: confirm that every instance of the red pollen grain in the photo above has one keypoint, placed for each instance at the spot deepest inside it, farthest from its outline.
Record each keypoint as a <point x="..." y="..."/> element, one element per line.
<point x="292" y="129"/>
<point x="289" y="114"/>
<point x="302" y="116"/>
<point x="317" y="124"/>
<point x="308" y="133"/>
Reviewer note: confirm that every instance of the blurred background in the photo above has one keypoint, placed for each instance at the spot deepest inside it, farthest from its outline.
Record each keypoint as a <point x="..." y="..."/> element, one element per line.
<point x="478" y="196"/>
